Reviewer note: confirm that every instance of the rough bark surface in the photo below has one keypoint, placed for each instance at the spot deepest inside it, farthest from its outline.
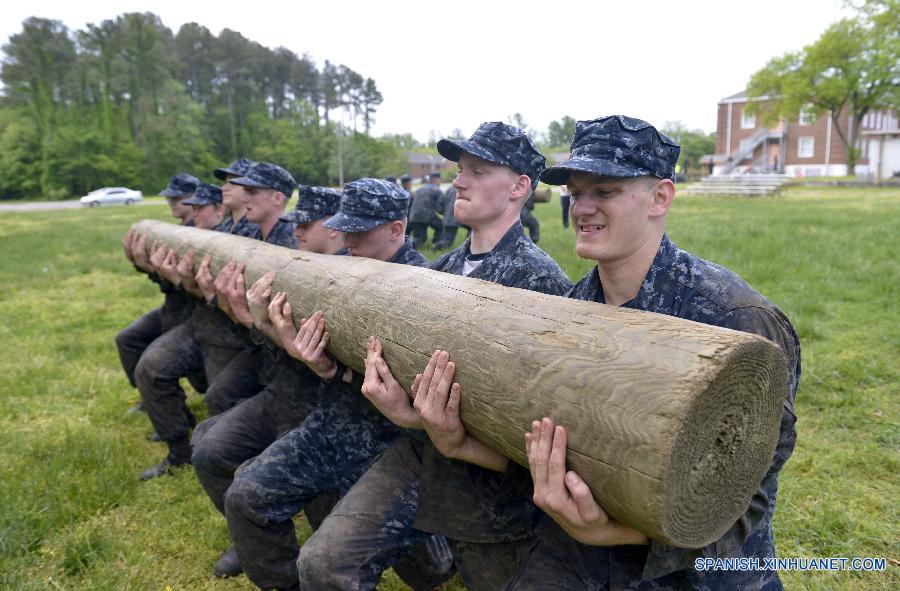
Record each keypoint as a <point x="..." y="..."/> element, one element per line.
<point x="672" y="423"/>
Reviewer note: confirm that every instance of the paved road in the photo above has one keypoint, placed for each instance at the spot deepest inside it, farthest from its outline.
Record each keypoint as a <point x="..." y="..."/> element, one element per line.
<point x="70" y="204"/>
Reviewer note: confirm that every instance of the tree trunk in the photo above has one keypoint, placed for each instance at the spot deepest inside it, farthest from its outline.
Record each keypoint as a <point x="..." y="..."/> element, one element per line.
<point x="672" y="423"/>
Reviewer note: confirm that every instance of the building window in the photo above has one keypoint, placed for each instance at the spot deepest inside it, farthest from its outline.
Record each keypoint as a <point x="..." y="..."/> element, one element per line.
<point x="806" y="146"/>
<point x="806" y="117"/>
<point x="748" y="120"/>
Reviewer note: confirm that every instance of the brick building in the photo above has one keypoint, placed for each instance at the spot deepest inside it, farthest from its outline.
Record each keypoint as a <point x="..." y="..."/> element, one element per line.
<point x="421" y="164"/>
<point x="808" y="146"/>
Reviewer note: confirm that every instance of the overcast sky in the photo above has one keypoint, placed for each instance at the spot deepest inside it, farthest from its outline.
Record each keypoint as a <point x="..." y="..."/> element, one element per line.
<point x="447" y="65"/>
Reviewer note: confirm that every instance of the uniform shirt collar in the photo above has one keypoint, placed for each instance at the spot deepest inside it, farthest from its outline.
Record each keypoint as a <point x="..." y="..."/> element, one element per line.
<point x="655" y="293"/>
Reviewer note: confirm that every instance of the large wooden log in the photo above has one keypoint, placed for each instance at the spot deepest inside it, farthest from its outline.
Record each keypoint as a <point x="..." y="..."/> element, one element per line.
<point x="672" y="423"/>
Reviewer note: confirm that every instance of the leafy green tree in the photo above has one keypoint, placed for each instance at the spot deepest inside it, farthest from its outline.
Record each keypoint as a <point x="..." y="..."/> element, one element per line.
<point x="694" y="143"/>
<point x="365" y="156"/>
<point x="20" y="154"/>
<point x="560" y="133"/>
<point x="299" y="143"/>
<point x="195" y="64"/>
<point x="852" y="69"/>
<point x="370" y="99"/>
<point x="36" y="69"/>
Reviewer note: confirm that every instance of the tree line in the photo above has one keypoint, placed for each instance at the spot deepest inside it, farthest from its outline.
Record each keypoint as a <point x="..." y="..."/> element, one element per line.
<point x="127" y="101"/>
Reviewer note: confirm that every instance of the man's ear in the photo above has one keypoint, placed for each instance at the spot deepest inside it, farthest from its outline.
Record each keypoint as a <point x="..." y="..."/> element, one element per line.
<point x="280" y="199"/>
<point x="662" y="195"/>
<point x="522" y="189"/>
<point x="398" y="229"/>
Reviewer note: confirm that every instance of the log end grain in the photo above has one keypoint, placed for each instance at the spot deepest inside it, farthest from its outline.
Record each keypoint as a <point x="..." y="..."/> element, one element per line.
<point x="725" y="446"/>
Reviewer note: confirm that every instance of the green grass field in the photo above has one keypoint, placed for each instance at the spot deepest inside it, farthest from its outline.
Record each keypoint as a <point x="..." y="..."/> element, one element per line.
<point x="74" y="516"/>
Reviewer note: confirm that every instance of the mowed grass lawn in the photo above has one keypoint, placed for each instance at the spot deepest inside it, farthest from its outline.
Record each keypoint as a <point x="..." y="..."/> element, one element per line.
<point x="74" y="516"/>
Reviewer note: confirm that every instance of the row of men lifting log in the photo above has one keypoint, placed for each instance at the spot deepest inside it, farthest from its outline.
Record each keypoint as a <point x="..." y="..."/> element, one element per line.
<point x="385" y="467"/>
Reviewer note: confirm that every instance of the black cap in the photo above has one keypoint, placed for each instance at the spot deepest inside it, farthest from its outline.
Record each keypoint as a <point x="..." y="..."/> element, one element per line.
<point x="501" y="144"/>
<point x="617" y="146"/>
<point x="237" y="168"/>
<point x="180" y="184"/>
<point x="269" y="176"/>
<point x="205" y="194"/>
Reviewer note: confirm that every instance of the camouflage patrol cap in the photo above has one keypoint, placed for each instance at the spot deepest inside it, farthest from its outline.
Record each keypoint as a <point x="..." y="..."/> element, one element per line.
<point x="367" y="203"/>
<point x="314" y="203"/>
<point x="617" y="146"/>
<point x="405" y="178"/>
<point x="204" y="195"/>
<point x="501" y="144"/>
<point x="237" y="168"/>
<point x="180" y="184"/>
<point x="269" y="176"/>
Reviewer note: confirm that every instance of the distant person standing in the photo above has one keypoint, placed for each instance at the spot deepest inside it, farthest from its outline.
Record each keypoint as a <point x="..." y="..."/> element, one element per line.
<point x="565" y="201"/>
<point x="423" y="212"/>
<point x="529" y="221"/>
<point x="406" y="183"/>
<point x="451" y="226"/>
<point x="236" y="221"/>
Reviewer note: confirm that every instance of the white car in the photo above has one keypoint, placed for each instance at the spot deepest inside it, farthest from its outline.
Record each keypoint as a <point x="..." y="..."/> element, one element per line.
<point x="108" y="195"/>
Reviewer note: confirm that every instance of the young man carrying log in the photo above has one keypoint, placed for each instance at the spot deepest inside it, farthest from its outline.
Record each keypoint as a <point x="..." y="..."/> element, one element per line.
<point x="266" y="190"/>
<point x="443" y="481"/>
<point x="207" y="210"/>
<point x="620" y="176"/>
<point x="133" y="340"/>
<point x="209" y="341"/>
<point x="223" y="442"/>
<point x="180" y="187"/>
<point x="342" y="434"/>
<point x="236" y="221"/>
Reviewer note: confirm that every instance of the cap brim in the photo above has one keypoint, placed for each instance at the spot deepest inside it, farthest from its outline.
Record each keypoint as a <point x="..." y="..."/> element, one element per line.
<point x="343" y="222"/>
<point x="452" y="149"/>
<point x="199" y="201"/>
<point x="246" y="182"/>
<point x="302" y="217"/>
<point x="559" y="174"/>
<point x="172" y="193"/>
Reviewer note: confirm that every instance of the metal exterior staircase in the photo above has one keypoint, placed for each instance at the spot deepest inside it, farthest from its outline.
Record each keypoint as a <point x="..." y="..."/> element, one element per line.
<point x="746" y="151"/>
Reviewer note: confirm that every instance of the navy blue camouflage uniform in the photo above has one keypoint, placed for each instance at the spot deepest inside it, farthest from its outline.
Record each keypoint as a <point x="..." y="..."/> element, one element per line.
<point x="330" y="449"/>
<point x="685" y="286"/>
<point x="426" y="201"/>
<point x="451" y="226"/>
<point x="682" y="285"/>
<point x="412" y="490"/>
<point x="243" y="226"/>
<point x="223" y="442"/>
<point x="208" y="341"/>
<point x="528" y="219"/>
<point x="254" y="365"/>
